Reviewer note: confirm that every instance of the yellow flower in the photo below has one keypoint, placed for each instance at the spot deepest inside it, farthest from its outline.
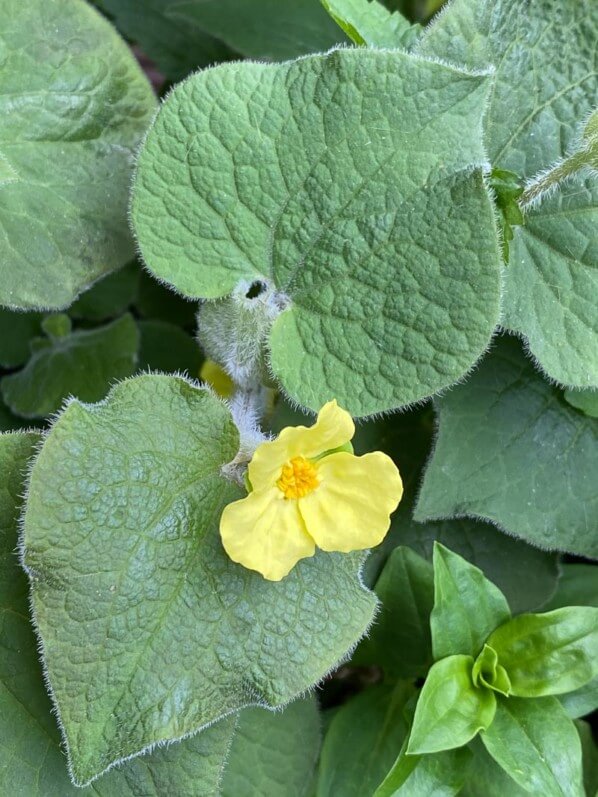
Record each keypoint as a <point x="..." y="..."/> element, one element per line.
<point x="307" y="493"/>
<point x="217" y="378"/>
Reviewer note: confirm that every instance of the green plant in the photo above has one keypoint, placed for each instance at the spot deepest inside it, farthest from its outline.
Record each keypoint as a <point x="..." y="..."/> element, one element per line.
<point x="333" y="203"/>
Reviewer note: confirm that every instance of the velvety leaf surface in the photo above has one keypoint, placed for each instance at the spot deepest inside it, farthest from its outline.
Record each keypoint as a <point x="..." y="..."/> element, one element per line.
<point x="109" y="297"/>
<point x="83" y="364"/>
<point x="31" y="761"/>
<point x="551" y="653"/>
<point x="537" y="744"/>
<point x="545" y="58"/>
<point x="273" y="754"/>
<point x="166" y="347"/>
<point x="149" y="631"/>
<point x="264" y="29"/>
<point x="362" y="741"/>
<point x="74" y="107"/>
<point x="176" y="46"/>
<point x="510" y="450"/>
<point x="368" y="22"/>
<point x="440" y="774"/>
<point x="551" y="286"/>
<point x="234" y="183"/>
<point x="450" y="710"/>
<point x="467" y="606"/>
<point x="400" y="640"/>
<point x="525" y="575"/>
<point x="16" y="331"/>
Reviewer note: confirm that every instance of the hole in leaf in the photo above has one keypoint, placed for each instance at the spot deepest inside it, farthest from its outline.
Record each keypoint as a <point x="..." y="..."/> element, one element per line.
<point x="255" y="289"/>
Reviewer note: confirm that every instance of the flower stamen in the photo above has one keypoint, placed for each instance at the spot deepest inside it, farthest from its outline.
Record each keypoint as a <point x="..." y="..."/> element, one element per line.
<point x="298" y="478"/>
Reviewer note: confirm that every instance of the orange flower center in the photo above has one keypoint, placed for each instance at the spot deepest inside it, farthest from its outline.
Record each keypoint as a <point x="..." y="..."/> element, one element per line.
<point x="298" y="478"/>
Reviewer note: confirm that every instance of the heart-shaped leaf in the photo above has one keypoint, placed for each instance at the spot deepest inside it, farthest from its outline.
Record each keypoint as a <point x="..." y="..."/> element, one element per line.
<point x="351" y="185"/>
<point x="149" y="631"/>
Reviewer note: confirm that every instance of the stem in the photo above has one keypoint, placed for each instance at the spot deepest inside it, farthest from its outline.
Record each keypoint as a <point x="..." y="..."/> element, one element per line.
<point x="561" y="172"/>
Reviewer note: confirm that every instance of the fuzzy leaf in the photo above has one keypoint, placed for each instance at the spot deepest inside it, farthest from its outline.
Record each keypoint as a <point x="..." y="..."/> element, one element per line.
<point x="584" y="400"/>
<point x="510" y="450"/>
<point x="82" y="364"/>
<point x="544" y="54"/>
<point x="537" y="745"/>
<point x="467" y="607"/>
<point x="73" y="111"/>
<point x="109" y="297"/>
<point x="450" y="710"/>
<point x="149" y="630"/>
<point x="234" y="184"/>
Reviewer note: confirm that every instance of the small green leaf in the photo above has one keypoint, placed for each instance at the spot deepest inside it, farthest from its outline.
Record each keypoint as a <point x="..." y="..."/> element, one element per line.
<point x="537" y="745"/>
<point x="272" y="754"/>
<point x="467" y="607"/>
<point x="362" y="741"/>
<point x="82" y="364"/>
<point x="549" y="654"/>
<point x="369" y="23"/>
<point x="409" y="306"/>
<point x="72" y="115"/>
<point x="400" y="640"/>
<point x="511" y="451"/>
<point x="489" y="673"/>
<point x="450" y="710"/>
<point x="440" y="774"/>
<point x="122" y="546"/>
<point x="584" y="400"/>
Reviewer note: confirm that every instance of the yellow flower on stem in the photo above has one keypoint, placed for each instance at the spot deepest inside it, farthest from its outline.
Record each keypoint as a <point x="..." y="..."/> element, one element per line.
<point x="307" y="493"/>
<point x="217" y="378"/>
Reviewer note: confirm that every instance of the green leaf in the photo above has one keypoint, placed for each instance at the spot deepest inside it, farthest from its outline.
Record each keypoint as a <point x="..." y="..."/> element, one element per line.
<point x="166" y="347"/>
<point x="511" y="451"/>
<point x="411" y="304"/>
<point x="441" y="774"/>
<point x="109" y="297"/>
<point x="264" y="29"/>
<point x="486" y="778"/>
<point x="545" y="82"/>
<point x="551" y="285"/>
<point x="589" y="758"/>
<point x="467" y="607"/>
<point x="157" y="303"/>
<point x="362" y="741"/>
<point x="273" y="754"/>
<point x="581" y="701"/>
<point x="16" y="332"/>
<point x="578" y="586"/>
<point x="83" y="364"/>
<point x="122" y="547"/>
<point x="174" y="45"/>
<point x="31" y="761"/>
<point x="73" y="113"/>
<point x="549" y="654"/>
<point x="525" y="575"/>
<point x="537" y="745"/>
<point x="584" y="400"/>
<point x="450" y="710"/>
<point x="400" y="640"/>
<point x="369" y="23"/>
<point x="489" y="673"/>
<point x="543" y="90"/>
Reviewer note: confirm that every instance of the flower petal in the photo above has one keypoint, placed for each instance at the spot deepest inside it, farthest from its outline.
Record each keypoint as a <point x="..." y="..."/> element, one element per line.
<point x="350" y="510"/>
<point x="265" y="532"/>
<point x="333" y="428"/>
